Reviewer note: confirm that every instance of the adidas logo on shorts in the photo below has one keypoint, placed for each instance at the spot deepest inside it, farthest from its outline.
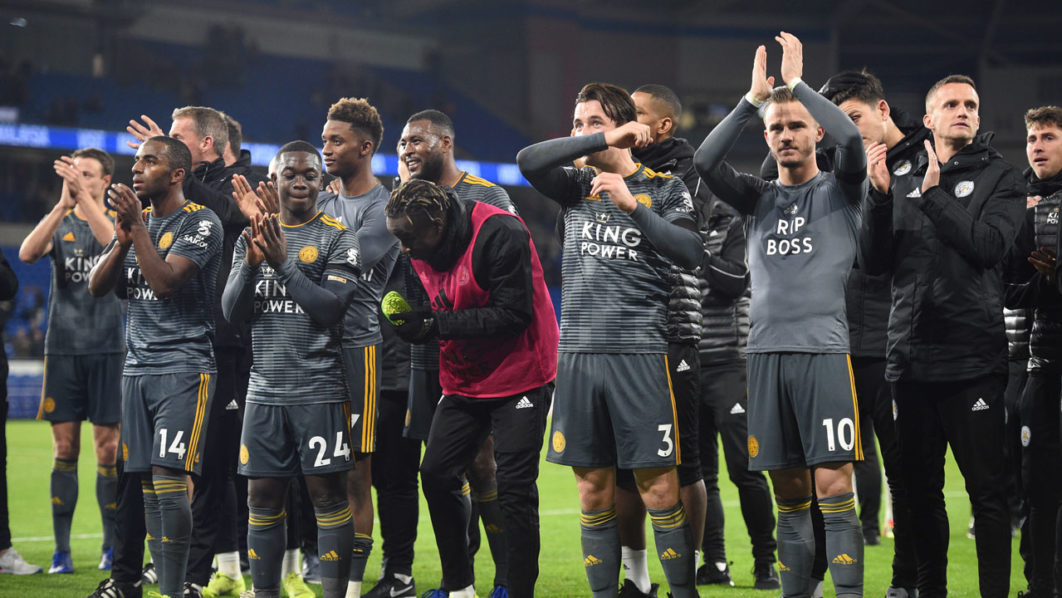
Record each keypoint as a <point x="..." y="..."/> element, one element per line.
<point x="980" y="405"/>
<point x="737" y="409"/>
<point x="232" y="406"/>
<point x="523" y="403"/>
<point x="683" y="366"/>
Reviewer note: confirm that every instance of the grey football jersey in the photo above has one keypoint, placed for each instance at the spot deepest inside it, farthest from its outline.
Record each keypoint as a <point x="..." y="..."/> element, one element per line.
<point x="801" y="246"/>
<point x="616" y="285"/>
<point x="802" y="239"/>
<point x="364" y="216"/>
<point x="78" y="323"/>
<point x="482" y="190"/>
<point x="295" y="360"/>
<point x="175" y="334"/>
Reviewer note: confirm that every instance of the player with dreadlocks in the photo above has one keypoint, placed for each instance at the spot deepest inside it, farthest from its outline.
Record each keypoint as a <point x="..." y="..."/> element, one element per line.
<point x="491" y="313"/>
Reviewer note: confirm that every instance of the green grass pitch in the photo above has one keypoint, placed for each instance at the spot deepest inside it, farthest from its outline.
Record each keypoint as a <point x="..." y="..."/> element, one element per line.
<point x="29" y="463"/>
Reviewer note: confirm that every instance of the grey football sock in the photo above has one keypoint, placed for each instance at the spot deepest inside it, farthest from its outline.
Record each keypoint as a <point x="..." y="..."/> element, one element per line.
<point x="601" y="551"/>
<point x="265" y="547"/>
<point x="175" y="513"/>
<point x="106" y="495"/>
<point x="153" y="523"/>
<point x="362" y="547"/>
<point x="335" y="543"/>
<point x="494" y="523"/>
<point x="64" y="499"/>
<point x="844" y="543"/>
<point x="796" y="546"/>
<point x="674" y="546"/>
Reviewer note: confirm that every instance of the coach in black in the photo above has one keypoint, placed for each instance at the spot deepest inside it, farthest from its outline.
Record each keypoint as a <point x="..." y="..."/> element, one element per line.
<point x="943" y="229"/>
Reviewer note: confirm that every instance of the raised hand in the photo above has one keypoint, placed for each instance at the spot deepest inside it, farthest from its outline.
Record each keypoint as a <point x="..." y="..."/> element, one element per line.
<point x="68" y="197"/>
<point x="126" y="204"/>
<point x="271" y="241"/>
<point x="628" y="135"/>
<point x="129" y="215"/>
<point x="932" y="178"/>
<point x="761" y="83"/>
<point x="617" y="190"/>
<point x="143" y="131"/>
<point x="123" y="232"/>
<point x="792" y="56"/>
<point x="245" y="197"/>
<point x="335" y="187"/>
<point x="877" y="171"/>
<point x="268" y="199"/>
<point x="254" y="256"/>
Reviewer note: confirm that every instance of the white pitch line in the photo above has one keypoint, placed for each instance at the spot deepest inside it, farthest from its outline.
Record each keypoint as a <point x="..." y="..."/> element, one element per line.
<point x="50" y="538"/>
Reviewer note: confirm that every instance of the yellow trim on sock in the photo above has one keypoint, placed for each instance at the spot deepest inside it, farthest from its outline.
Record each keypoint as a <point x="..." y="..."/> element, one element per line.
<point x="488" y="496"/>
<point x="597" y="519"/>
<point x="671" y="520"/>
<point x="794" y="508"/>
<point x="335" y="519"/>
<point x="64" y="465"/>
<point x="848" y="505"/>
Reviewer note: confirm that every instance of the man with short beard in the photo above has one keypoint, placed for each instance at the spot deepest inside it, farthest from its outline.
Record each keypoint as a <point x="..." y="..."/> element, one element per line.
<point x="426" y="152"/>
<point x="943" y="229"/>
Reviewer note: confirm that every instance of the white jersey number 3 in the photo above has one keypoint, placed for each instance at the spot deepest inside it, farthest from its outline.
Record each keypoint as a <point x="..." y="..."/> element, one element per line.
<point x="669" y="444"/>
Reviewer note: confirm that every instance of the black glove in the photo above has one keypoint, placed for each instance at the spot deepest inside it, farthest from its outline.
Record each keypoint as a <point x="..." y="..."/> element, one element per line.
<point x="416" y="326"/>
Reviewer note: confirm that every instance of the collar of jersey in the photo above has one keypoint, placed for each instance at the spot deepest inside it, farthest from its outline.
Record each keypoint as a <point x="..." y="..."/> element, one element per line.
<point x="315" y="217"/>
<point x="637" y="168"/>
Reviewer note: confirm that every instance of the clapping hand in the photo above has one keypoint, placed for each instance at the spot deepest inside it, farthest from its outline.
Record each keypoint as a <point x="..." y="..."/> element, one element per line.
<point x="143" y="131"/>
<point x="792" y="56"/>
<point x="269" y="239"/>
<point x="252" y="202"/>
<point x="932" y="178"/>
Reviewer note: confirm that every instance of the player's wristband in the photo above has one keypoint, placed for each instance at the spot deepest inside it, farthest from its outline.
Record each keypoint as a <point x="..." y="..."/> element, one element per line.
<point x="757" y="102"/>
<point x="793" y="83"/>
